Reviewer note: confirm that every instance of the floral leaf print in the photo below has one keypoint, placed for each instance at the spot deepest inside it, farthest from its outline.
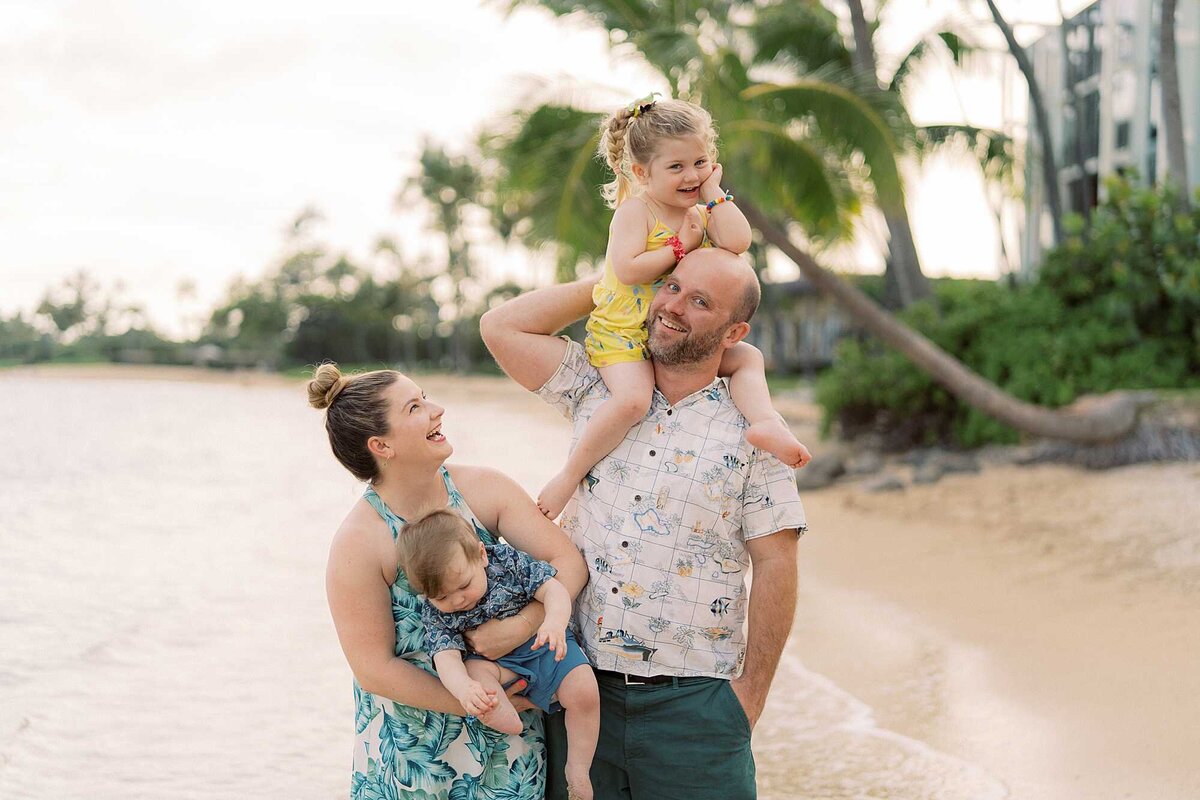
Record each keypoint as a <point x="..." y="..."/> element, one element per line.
<point x="376" y="788"/>
<point x="365" y="709"/>
<point x="525" y="775"/>
<point x="489" y="748"/>
<point x="465" y="788"/>
<point x="395" y="746"/>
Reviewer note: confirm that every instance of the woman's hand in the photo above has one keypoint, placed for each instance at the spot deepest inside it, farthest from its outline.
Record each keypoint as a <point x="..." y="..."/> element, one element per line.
<point x="498" y="637"/>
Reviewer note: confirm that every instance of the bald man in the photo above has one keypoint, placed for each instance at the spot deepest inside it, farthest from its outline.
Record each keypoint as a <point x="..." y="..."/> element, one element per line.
<point x="669" y="523"/>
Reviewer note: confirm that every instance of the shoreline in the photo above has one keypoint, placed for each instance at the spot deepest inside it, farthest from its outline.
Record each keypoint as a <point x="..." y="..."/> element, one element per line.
<point x="1037" y="624"/>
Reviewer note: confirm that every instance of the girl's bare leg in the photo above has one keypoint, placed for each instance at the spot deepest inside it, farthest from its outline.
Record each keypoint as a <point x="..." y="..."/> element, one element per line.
<point x="744" y="366"/>
<point x="503" y="717"/>
<point x="580" y="697"/>
<point x="631" y="386"/>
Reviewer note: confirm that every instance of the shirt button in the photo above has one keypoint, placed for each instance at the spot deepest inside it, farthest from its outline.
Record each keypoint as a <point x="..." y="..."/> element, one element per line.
<point x="637" y="498"/>
<point x="670" y="411"/>
<point x="624" y="544"/>
<point x="653" y="453"/>
<point x="614" y="590"/>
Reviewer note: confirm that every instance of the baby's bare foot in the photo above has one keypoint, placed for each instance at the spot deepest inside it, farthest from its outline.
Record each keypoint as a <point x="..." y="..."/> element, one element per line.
<point x="773" y="436"/>
<point x="503" y="717"/>
<point x="555" y="495"/>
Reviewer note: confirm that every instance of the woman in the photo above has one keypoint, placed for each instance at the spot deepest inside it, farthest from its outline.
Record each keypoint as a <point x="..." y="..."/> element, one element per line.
<point x="412" y="738"/>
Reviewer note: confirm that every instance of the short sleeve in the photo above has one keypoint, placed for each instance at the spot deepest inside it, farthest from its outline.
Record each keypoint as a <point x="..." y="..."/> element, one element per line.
<point x="528" y="572"/>
<point x="438" y="635"/>
<point x="571" y="381"/>
<point x="770" y="501"/>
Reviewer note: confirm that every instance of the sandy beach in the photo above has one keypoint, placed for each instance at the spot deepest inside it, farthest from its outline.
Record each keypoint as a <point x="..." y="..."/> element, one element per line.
<point x="1034" y="628"/>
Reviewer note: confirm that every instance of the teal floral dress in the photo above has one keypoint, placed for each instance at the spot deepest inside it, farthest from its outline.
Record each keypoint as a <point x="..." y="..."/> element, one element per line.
<point x="406" y="753"/>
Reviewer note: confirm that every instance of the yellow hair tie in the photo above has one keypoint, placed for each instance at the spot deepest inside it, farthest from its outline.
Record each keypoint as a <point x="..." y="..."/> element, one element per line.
<point x="639" y="107"/>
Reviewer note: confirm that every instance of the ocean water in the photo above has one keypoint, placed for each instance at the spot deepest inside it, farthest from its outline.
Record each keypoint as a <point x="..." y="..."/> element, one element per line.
<point x="163" y="628"/>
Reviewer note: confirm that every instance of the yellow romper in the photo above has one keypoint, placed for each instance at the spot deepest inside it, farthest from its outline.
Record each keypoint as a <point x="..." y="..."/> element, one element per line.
<point x="616" y="329"/>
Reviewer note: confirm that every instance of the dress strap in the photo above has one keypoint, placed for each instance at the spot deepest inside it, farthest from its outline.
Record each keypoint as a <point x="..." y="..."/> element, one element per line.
<point x="456" y="498"/>
<point x="650" y="208"/>
<point x="394" y="521"/>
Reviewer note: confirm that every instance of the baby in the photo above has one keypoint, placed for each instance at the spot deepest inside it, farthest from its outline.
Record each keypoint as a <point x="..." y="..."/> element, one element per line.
<point x="467" y="583"/>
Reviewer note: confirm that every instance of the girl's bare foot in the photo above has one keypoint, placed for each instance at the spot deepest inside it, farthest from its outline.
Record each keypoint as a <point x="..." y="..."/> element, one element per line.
<point x="555" y="495"/>
<point x="773" y="436"/>
<point x="503" y="717"/>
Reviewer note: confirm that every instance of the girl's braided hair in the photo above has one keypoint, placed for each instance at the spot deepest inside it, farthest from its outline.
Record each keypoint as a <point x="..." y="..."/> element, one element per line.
<point x="632" y="136"/>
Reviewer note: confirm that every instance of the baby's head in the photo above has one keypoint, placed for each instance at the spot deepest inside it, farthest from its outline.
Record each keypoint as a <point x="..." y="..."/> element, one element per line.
<point x="635" y="134"/>
<point x="443" y="560"/>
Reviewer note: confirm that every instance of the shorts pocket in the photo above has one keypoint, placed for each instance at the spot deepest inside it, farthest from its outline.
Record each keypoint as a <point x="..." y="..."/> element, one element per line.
<point x="735" y="708"/>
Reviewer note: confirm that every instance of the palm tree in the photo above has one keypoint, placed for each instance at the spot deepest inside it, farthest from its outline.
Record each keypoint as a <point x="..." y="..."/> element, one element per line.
<point x="1168" y="67"/>
<point x="450" y="184"/>
<point x="1047" y="157"/>
<point x="791" y="145"/>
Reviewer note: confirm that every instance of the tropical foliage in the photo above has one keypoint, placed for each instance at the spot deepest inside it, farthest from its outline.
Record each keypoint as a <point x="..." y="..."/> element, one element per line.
<point x="1120" y="309"/>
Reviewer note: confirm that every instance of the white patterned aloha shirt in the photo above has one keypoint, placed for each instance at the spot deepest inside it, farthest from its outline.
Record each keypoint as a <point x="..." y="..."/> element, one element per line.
<point x="662" y="522"/>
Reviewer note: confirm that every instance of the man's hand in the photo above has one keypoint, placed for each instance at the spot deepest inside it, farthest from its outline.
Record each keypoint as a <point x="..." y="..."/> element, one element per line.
<point x="752" y="702"/>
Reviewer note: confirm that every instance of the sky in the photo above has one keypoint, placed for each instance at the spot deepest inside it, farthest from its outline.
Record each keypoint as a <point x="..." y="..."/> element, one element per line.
<point x="152" y="143"/>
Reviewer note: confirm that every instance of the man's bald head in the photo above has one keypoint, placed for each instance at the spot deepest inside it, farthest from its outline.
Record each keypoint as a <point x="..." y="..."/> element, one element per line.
<point x="731" y="272"/>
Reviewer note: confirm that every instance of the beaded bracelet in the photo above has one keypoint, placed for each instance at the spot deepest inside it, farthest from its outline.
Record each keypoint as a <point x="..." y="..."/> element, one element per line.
<point x="676" y="247"/>
<point x="711" y="204"/>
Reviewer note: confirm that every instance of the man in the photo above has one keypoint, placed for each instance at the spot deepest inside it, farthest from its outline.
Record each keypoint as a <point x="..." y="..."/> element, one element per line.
<point x="669" y="524"/>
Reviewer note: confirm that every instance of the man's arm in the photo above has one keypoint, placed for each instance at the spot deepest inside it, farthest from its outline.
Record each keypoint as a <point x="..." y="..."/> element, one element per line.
<point x="521" y="332"/>
<point x="772" y="607"/>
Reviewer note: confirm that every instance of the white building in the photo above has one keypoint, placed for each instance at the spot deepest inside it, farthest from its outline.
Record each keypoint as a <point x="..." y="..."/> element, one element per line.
<point x="1111" y="74"/>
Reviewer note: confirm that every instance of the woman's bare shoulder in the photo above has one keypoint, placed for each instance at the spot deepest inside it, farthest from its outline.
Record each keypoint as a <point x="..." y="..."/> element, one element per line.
<point x="363" y="535"/>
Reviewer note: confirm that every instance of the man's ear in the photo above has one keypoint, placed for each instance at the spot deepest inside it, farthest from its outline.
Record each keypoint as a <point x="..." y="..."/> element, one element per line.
<point x="735" y="333"/>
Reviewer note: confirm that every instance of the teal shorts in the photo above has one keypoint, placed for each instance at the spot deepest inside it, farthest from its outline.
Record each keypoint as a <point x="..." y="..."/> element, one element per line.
<point x="687" y="739"/>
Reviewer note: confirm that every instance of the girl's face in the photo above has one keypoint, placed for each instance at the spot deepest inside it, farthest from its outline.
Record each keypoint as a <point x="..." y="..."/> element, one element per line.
<point x="463" y="584"/>
<point x="415" y="425"/>
<point x="673" y="176"/>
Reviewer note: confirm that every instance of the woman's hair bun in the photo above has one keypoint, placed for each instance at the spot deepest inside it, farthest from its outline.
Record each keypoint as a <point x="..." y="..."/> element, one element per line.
<point x="325" y="385"/>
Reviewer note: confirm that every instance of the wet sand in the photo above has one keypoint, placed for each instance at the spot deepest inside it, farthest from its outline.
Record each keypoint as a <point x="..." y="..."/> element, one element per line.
<point x="1026" y="632"/>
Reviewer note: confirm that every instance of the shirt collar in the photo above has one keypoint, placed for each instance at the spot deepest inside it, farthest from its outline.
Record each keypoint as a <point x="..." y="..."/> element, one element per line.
<point x="718" y="390"/>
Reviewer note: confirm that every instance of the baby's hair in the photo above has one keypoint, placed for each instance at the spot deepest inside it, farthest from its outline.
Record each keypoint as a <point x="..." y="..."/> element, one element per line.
<point x="355" y="410"/>
<point x="425" y="548"/>
<point x="632" y="136"/>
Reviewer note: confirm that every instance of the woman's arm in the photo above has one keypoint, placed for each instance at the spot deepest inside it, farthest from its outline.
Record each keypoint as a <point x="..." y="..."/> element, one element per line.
<point x="503" y="506"/>
<point x="361" y="604"/>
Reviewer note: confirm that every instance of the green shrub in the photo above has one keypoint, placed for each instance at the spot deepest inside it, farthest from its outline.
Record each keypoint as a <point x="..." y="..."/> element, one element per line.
<point x="1117" y="309"/>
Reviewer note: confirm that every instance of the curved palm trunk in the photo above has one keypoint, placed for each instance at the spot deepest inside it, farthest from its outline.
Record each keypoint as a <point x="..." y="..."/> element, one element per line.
<point x="1168" y="65"/>
<point x="1049" y="162"/>
<point x="904" y="277"/>
<point x="1110" y="417"/>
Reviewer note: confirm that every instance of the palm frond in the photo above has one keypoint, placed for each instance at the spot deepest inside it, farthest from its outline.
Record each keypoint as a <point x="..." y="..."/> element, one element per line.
<point x="845" y="116"/>
<point x="801" y="35"/>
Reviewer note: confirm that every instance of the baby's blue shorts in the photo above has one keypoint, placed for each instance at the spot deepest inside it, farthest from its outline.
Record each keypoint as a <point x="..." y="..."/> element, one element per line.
<point x="539" y="668"/>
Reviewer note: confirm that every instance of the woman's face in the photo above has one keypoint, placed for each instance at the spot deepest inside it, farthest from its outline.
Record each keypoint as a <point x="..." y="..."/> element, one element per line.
<point x="415" y="423"/>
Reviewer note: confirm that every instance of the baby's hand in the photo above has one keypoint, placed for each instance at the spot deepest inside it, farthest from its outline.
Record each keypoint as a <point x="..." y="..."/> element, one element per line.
<point x="691" y="233"/>
<point x="555" y="636"/>
<point x="711" y="188"/>
<point x="475" y="699"/>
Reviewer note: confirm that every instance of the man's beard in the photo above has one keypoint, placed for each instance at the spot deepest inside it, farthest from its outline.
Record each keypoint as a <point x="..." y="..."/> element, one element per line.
<point x="688" y="350"/>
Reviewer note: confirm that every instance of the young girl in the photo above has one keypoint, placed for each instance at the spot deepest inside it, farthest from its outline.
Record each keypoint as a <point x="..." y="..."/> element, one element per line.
<point x="465" y="584"/>
<point x="669" y="201"/>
